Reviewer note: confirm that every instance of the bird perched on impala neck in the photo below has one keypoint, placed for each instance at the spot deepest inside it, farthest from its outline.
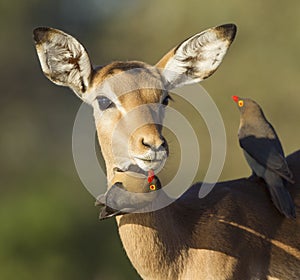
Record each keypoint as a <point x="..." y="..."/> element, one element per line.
<point x="129" y="192"/>
<point x="264" y="153"/>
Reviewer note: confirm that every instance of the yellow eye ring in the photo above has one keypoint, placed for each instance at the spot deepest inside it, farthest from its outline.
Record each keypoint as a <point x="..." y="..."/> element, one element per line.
<point x="152" y="187"/>
<point x="241" y="103"/>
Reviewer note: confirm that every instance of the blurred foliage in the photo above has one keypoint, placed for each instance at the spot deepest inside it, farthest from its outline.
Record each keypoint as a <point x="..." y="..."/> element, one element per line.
<point x="49" y="227"/>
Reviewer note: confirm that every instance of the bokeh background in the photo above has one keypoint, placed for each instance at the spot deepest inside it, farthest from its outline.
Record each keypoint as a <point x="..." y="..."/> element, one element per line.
<point x="48" y="222"/>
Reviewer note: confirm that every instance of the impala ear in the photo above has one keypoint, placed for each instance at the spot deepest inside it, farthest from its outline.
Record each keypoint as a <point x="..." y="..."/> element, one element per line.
<point x="63" y="59"/>
<point x="198" y="57"/>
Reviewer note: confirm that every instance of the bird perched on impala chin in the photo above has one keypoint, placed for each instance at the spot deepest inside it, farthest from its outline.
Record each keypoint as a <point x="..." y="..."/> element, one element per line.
<point x="129" y="192"/>
<point x="264" y="153"/>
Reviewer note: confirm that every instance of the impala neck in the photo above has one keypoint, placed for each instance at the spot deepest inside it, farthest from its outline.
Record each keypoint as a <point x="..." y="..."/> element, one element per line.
<point x="153" y="243"/>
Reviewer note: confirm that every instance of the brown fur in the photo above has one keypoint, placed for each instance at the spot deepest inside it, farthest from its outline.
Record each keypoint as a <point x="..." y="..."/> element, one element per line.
<point x="232" y="233"/>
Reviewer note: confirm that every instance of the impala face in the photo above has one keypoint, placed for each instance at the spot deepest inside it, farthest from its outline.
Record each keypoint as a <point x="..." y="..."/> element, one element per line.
<point x="129" y="98"/>
<point x="129" y="108"/>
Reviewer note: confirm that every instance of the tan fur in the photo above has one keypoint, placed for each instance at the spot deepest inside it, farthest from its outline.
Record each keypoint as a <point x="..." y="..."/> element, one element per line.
<point x="148" y="92"/>
<point x="234" y="232"/>
<point x="162" y="63"/>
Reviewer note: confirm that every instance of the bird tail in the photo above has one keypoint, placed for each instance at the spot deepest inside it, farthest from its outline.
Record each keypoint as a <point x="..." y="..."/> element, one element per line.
<point x="279" y="194"/>
<point x="282" y="200"/>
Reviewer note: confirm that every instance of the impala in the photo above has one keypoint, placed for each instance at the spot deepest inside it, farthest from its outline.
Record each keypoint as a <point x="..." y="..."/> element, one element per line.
<point x="232" y="233"/>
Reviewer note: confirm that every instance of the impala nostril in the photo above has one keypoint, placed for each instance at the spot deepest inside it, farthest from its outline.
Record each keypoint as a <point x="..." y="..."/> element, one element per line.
<point x="145" y="143"/>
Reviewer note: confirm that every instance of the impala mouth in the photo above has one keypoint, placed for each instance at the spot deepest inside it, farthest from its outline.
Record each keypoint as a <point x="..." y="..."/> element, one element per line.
<point x="147" y="164"/>
<point x="132" y="168"/>
<point x="142" y="166"/>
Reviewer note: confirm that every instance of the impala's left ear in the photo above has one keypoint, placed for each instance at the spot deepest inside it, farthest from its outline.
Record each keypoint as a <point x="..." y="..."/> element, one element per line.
<point x="198" y="57"/>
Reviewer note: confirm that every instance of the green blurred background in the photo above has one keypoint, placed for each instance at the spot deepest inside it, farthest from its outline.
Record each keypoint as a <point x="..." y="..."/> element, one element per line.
<point x="49" y="227"/>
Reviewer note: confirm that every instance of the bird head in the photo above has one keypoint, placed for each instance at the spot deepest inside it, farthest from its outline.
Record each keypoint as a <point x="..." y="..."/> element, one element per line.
<point x="250" y="111"/>
<point x="239" y="101"/>
<point x="247" y="106"/>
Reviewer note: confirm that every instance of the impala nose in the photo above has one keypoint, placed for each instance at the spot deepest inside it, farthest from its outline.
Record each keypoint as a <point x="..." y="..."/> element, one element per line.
<point x="149" y="137"/>
<point x="152" y="142"/>
<point x="149" y="149"/>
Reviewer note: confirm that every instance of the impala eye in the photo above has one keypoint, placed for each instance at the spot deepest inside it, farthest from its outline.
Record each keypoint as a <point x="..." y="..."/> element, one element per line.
<point x="104" y="102"/>
<point x="166" y="100"/>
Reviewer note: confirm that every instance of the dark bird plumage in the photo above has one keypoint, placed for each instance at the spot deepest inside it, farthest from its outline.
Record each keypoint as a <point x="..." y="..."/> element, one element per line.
<point x="264" y="153"/>
<point x="130" y="192"/>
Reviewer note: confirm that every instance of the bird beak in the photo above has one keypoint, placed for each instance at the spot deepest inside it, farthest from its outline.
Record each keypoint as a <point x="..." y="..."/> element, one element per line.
<point x="235" y="98"/>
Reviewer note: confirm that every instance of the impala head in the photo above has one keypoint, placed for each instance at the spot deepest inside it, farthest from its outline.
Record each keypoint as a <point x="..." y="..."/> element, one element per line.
<point x="129" y="98"/>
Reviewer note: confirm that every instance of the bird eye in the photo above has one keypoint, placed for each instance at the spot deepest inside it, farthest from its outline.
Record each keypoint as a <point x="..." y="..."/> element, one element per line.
<point x="104" y="102"/>
<point x="152" y="187"/>
<point x="241" y="103"/>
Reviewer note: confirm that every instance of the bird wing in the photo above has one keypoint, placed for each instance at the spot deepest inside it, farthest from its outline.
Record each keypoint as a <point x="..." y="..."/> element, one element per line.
<point x="266" y="152"/>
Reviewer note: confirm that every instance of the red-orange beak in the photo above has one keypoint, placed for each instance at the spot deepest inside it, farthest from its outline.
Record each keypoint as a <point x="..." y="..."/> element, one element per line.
<point x="235" y="98"/>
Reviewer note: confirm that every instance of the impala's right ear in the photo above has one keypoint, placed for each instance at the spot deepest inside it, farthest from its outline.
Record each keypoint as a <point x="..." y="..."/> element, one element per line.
<point x="198" y="57"/>
<point x="63" y="59"/>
